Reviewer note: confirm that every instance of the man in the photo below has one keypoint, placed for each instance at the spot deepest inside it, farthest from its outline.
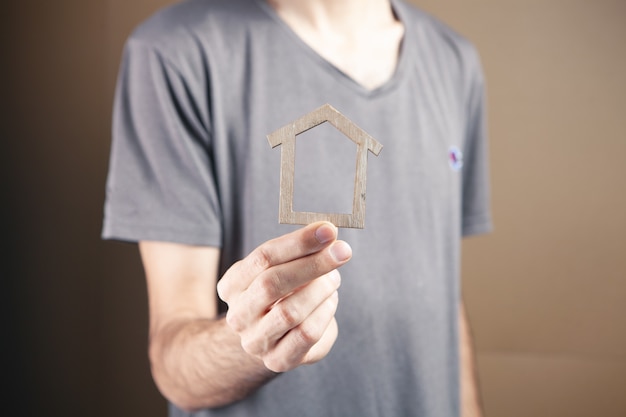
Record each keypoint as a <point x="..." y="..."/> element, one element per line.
<point x="193" y="180"/>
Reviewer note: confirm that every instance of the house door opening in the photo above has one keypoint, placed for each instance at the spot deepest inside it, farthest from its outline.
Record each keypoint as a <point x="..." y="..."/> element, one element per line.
<point x="325" y="166"/>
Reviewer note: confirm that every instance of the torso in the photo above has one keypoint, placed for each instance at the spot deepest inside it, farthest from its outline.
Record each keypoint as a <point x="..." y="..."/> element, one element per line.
<point x="255" y="75"/>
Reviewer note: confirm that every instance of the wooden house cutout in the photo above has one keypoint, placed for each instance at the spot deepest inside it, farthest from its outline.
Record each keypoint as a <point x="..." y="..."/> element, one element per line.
<point x="286" y="136"/>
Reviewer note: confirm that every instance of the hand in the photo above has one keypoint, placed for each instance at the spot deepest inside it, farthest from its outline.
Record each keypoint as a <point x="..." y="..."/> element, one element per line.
<point x="282" y="297"/>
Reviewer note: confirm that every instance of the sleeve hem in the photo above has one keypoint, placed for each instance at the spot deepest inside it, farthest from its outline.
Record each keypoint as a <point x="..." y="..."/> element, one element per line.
<point x="137" y="232"/>
<point x="477" y="226"/>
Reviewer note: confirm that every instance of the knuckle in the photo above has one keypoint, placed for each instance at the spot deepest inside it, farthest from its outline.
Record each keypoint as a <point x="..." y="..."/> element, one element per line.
<point x="227" y="284"/>
<point x="233" y="321"/>
<point x="222" y="290"/>
<point x="307" y="334"/>
<point x="269" y="287"/>
<point x="250" y="346"/>
<point x="261" y="259"/>
<point x="331" y="282"/>
<point x="331" y="303"/>
<point x="276" y="364"/>
<point x="255" y="343"/>
<point x="316" y="265"/>
<point x="286" y="315"/>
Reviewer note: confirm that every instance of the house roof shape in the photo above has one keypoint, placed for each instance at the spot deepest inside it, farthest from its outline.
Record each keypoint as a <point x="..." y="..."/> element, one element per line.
<point x="286" y="136"/>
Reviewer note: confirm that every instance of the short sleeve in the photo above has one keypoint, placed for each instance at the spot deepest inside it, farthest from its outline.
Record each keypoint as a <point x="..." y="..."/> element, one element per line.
<point x="476" y="188"/>
<point x="160" y="184"/>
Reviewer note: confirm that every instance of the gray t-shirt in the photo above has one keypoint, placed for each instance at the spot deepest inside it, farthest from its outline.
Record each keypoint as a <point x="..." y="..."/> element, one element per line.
<point x="201" y="85"/>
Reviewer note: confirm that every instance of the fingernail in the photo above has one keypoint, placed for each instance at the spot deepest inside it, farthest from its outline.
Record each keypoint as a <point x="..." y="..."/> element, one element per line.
<point x="340" y="251"/>
<point x="325" y="233"/>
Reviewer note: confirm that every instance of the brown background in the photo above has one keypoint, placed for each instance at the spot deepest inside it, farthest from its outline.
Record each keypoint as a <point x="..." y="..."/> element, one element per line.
<point x="546" y="292"/>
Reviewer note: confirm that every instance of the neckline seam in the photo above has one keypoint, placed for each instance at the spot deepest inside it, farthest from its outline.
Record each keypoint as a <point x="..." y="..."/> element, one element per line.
<point x="336" y="73"/>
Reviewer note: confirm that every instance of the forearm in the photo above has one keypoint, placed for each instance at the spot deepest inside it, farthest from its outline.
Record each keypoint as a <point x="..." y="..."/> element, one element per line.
<point x="281" y="300"/>
<point x="470" y="396"/>
<point x="199" y="363"/>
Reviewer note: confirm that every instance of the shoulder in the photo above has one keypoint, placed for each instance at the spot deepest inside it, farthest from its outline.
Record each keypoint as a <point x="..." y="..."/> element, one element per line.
<point x="193" y="25"/>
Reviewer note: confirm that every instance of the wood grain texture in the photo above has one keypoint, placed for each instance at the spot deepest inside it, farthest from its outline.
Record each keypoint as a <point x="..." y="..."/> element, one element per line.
<point x="286" y="136"/>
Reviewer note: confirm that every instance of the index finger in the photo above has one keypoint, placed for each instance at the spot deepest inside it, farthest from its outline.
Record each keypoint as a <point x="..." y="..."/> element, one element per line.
<point x="283" y="249"/>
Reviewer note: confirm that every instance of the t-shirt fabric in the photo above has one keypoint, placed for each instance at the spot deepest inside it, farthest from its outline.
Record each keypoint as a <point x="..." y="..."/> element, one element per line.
<point x="202" y="84"/>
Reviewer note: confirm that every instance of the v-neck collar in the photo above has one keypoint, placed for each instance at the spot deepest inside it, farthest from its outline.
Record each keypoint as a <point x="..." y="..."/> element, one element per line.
<point x="334" y="71"/>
